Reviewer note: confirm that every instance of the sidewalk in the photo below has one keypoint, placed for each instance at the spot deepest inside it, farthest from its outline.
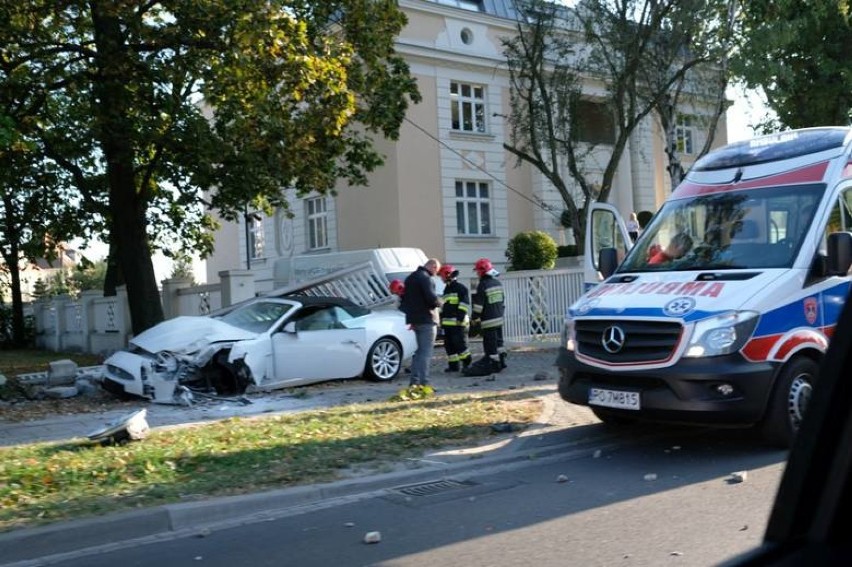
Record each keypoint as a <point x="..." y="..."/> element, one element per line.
<point x="528" y="369"/>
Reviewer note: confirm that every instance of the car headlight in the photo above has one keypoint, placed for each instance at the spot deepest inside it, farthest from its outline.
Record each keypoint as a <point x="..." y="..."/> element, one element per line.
<point x="721" y="334"/>
<point x="569" y="338"/>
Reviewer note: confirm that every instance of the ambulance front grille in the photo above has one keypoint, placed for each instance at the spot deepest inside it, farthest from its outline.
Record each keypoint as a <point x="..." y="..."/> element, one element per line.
<point x="642" y="342"/>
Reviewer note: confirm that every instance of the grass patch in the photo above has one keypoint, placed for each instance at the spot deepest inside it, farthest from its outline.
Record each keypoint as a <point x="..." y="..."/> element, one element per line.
<point x="47" y="482"/>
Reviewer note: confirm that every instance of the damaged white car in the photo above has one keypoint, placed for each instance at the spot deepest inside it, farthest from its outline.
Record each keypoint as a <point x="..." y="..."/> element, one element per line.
<point x="263" y="344"/>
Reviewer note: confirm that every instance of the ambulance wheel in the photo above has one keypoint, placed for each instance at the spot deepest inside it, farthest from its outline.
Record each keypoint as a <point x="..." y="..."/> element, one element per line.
<point x="789" y="400"/>
<point x="612" y="419"/>
<point x="384" y="360"/>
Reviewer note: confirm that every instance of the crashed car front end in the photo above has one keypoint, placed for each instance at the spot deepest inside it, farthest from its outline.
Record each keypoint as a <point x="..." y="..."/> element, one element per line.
<point x="170" y="361"/>
<point x="167" y="377"/>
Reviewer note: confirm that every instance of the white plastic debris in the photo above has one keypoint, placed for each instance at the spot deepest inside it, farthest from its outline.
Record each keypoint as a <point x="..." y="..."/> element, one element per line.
<point x="130" y="427"/>
<point x="349" y="524"/>
<point x="650" y="476"/>
<point x="372" y="537"/>
<point x="562" y="478"/>
<point x="739" y="476"/>
<point x="597" y="454"/>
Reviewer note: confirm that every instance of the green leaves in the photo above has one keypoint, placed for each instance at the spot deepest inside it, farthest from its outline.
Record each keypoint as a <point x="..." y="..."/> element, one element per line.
<point x="154" y="113"/>
<point x="798" y="53"/>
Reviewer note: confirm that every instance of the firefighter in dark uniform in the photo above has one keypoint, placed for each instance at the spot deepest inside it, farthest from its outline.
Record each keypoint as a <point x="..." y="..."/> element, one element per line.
<point x="455" y="319"/>
<point x="488" y="308"/>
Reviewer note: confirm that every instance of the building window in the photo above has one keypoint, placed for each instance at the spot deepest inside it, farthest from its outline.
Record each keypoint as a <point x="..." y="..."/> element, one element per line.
<point x="592" y="123"/>
<point x="473" y="208"/>
<point x="472" y="5"/>
<point x="317" y="216"/>
<point x="467" y="104"/>
<point x="257" y="242"/>
<point x="685" y="134"/>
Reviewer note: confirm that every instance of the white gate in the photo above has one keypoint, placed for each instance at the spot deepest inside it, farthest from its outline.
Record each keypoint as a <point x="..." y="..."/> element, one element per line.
<point x="536" y="303"/>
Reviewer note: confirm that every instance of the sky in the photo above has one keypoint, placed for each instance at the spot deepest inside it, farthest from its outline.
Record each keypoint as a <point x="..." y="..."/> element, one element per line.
<point x="748" y="109"/>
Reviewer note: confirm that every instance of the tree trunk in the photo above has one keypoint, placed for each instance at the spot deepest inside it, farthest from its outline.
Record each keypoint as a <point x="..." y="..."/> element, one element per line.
<point x="128" y="202"/>
<point x="19" y="334"/>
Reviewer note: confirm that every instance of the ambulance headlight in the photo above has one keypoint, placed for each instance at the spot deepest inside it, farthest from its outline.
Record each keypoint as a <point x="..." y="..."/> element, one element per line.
<point x="721" y="334"/>
<point x="569" y="339"/>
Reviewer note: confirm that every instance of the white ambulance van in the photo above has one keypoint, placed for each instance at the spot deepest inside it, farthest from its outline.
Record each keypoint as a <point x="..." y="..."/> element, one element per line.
<point x="721" y="311"/>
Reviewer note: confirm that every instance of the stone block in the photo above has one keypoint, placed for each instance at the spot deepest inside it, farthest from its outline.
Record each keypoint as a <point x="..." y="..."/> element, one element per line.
<point x="62" y="373"/>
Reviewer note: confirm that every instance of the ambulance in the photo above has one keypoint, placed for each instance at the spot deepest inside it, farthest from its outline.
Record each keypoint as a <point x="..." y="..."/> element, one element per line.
<point x="720" y="312"/>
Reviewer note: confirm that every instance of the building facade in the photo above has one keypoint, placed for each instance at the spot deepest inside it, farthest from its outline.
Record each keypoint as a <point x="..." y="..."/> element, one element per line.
<point x="447" y="186"/>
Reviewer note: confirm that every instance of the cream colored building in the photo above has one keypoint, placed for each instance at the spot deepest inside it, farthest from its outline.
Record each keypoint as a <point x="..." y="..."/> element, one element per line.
<point x="447" y="185"/>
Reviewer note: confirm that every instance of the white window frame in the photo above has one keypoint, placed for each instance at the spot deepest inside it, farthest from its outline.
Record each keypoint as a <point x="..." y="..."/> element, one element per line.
<point x="685" y="135"/>
<point x="256" y="236"/>
<point x="468" y="99"/>
<point x="472" y="5"/>
<point x="473" y="208"/>
<point x="316" y="218"/>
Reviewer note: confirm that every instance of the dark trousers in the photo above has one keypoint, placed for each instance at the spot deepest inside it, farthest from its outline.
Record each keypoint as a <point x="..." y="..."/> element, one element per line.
<point x="455" y="343"/>
<point x="492" y="341"/>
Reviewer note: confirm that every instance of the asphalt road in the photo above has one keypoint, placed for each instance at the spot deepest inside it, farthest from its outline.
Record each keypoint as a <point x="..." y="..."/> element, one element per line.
<point x="647" y="498"/>
<point x="566" y="491"/>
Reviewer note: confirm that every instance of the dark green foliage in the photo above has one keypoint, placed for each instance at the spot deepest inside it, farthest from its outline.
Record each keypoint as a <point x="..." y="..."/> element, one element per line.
<point x="533" y="250"/>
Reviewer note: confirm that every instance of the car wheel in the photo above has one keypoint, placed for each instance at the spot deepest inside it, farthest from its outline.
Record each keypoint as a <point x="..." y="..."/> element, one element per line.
<point x="611" y="419"/>
<point x="788" y="402"/>
<point x="384" y="360"/>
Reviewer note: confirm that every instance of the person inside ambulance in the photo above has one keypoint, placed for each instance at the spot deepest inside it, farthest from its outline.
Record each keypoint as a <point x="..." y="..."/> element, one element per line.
<point x="678" y="246"/>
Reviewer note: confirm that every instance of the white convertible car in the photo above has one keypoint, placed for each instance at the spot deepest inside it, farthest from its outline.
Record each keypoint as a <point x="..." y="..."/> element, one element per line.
<point x="263" y="344"/>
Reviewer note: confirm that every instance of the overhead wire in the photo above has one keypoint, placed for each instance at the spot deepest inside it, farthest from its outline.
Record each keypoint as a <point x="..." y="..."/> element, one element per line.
<point x="543" y="206"/>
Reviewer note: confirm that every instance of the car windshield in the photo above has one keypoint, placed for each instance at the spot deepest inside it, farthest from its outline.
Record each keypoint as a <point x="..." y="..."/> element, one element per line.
<point x="258" y="316"/>
<point x="759" y="228"/>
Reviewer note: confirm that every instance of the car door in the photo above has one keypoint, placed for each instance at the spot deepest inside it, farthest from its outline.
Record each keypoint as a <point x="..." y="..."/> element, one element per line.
<point x="319" y="348"/>
<point x="604" y="229"/>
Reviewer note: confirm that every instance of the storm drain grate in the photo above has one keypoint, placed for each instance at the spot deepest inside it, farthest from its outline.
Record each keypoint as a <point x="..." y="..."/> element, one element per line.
<point x="435" y="487"/>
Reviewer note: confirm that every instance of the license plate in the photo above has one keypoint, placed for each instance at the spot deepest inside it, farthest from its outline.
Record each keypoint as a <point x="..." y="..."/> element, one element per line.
<point x="614" y="398"/>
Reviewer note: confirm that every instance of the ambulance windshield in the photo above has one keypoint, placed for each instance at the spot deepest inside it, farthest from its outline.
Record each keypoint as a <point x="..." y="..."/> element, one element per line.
<point x="758" y="228"/>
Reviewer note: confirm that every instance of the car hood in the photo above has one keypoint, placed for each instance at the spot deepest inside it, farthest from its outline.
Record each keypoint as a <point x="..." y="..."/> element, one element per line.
<point x="188" y="334"/>
<point x="688" y="296"/>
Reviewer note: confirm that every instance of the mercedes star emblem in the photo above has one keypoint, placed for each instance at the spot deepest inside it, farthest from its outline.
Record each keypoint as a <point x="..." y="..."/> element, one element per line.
<point x="613" y="339"/>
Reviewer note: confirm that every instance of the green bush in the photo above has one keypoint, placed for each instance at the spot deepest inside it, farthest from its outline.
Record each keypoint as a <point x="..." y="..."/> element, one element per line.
<point x="533" y="250"/>
<point x="567" y="251"/>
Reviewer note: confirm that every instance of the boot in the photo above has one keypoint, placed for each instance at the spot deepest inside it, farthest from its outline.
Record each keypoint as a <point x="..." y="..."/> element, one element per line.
<point x="466" y="361"/>
<point x="502" y="360"/>
<point x="495" y="365"/>
<point x="452" y="367"/>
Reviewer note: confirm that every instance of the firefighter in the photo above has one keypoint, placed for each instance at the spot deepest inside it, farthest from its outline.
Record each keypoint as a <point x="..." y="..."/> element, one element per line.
<point x="488" y="308"/>
<point x="455" y="318"/>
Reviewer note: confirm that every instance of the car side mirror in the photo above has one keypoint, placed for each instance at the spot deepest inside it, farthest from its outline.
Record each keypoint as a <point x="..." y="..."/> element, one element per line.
<point x="839" y="246"/>
<point x="607" y="261"/>
<point x="290" y="327"/>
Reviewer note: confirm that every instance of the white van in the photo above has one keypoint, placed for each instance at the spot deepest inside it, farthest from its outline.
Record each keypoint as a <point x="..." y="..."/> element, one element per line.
<point x="394" y="263"/>
<point x="729" y="328"/>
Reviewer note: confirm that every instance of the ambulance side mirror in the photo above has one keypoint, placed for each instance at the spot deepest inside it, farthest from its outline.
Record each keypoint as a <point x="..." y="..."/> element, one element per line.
<point x="607" y="261"/>
<point x="839" y="259"/>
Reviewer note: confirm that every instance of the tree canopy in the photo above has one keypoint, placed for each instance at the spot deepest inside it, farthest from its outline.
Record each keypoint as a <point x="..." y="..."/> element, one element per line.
<point x="798" y="53"/>
<point x="584" y="79"/>
<point x="162" y="112"/>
